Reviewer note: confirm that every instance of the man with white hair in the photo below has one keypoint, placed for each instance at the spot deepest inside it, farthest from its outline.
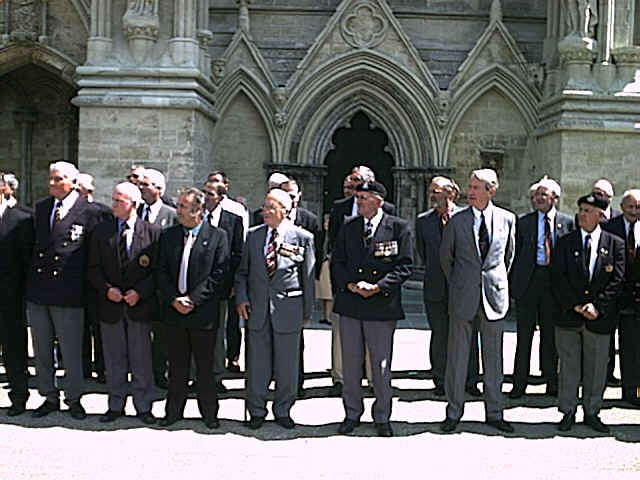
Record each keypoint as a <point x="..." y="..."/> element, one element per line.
<point x="122" y="258"/>
<point x="8" y="187"/>
<point x="275" y="180"/>
<point x="476" y="255"/>
<point x="274" y="291"/>
<point x="532" y="195"/>
<point x="153" y="210"/>
<point x="603" y="188"/>
<point x="627" y="227"/>
<point x="56" y="287"/>
<point x="537" y="234"/>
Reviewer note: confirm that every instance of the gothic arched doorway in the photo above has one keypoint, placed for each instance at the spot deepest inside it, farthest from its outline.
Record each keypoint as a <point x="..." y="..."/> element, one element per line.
<point x="359" y="143"/>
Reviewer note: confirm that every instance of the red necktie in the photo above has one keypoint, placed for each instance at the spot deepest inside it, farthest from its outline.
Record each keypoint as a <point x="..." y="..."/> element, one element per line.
<point x="547" y="239"/>
<point x="271" y="260"/>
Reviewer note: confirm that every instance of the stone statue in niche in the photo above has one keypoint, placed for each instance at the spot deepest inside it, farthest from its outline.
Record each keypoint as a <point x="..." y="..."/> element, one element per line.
<point x="140" y="23"/>
<point x="218" y="68"/>
<point x="25" y="17"/>
<point x="581" y="17"/>
<point x="280" y="99"/>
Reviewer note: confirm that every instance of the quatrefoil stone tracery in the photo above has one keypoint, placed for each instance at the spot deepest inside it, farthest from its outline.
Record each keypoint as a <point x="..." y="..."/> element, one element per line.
<point x="365" y="27"/>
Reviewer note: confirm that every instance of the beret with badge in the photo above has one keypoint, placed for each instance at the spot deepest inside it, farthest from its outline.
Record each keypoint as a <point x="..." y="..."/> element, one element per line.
<point x="372" y="187"/>
<point x="593" y="200"/>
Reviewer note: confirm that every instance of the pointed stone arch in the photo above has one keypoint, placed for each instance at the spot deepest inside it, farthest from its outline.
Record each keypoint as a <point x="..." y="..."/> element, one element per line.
<point x="391" y="95"/>
<point x="496" y="77"/>
<point x="18" y="55"/>
<point x="244" y="81"/>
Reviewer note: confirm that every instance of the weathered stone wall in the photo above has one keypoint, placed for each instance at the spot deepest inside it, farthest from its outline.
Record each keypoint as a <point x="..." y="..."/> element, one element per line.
<point x="10" y="101"/>
<point x="65" y="30"/>
<point x="242" y="149"/>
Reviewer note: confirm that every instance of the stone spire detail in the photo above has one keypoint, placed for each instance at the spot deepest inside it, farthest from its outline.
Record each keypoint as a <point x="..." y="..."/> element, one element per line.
<point x="496" y="11"/>
<point x="243" y="16"/>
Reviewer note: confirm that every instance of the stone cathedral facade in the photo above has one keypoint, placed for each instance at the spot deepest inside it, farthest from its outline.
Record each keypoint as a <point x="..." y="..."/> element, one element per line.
<point x="412" y="88"/>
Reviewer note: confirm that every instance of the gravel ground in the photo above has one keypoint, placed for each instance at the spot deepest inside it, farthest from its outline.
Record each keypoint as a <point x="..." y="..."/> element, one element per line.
<point x="57" y="446"/>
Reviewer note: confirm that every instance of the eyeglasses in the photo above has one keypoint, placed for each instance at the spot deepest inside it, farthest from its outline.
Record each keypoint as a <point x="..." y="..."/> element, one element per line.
<point x="210" y="194"/>
<point x="133" y="175"/>
<point x="144" y="184"/>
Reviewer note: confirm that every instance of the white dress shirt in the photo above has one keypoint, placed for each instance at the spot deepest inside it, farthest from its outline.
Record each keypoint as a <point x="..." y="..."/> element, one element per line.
<point x="215" y="215"/>
<point x="66" y="204"/>
<point x="152" y="211"/>
<point x="636" y="232"/>
<point x="595" y="240"/>
<point x="129" y="232"/>
<point x="374" y="221"/>
<point x="488" y="220"/>
<point x="541" y="255"/>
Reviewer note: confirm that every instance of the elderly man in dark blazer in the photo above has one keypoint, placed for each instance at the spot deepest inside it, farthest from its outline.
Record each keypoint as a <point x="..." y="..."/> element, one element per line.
<point x="627" y="227"/>
<point x="56" y="287"/>
<point x="191" y="270"/>
<point x="274" y="293"/>
<point x="122" y="258"/>
<point x="532" y="288"/>
<point x="588" y="274"/>
<point x="429" y="226"/>
<point x="16" y="243"/>
<point x="372" y="258"/>
<point x="476" y="255"/>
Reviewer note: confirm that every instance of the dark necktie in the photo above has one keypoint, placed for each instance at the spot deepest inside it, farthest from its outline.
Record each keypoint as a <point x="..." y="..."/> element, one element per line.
<point x="444" y="219"/>
<point x="368" y="233"/>
<point x="57" y="215"/>
<point x="547" y="240"/>
<point x="145" y="213"/>
<point x="483" y="238"/>
<point x="122" y="246"/>
<point x="587" y="253"/>
<point x="271" y="260"/>
<point x="631" y="244"/>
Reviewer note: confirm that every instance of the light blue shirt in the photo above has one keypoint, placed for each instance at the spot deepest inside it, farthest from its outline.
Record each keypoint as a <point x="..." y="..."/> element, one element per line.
<point x="129" y="232"/>
<point x="541" y="256"/>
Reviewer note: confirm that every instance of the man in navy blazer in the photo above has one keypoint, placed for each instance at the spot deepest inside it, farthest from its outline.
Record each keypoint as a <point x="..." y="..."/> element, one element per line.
<point x="531" y="286"/>
<point x="56" y="286"/>
<point x="372" y="258"/>
<point x="192" y="266"/>
<point x="588" y="274"/>
<point x="122" y="258"/>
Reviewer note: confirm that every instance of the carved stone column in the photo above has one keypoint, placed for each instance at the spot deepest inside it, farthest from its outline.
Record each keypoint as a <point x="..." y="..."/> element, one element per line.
<point x="628" y="65"/>
<point x="576" y="59"/>
<point x="183" y="45"/>
<point x="140" y="25"/>
<point x="100" y="42"/>
<point x="26" y="119"/>
<point x="243" y="16"/>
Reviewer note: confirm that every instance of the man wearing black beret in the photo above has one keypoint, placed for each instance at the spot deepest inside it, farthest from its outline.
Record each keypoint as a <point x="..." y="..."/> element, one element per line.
<point x="588" y="272"/>
<point x="372" y="257"/>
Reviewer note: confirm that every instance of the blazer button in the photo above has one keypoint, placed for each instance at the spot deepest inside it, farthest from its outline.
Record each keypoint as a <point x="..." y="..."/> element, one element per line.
<point x="39" y="270"/>
<point x="359" y="270"/>
<point x="375" y="272"/>
<point x="64" y="244"/>
<point x="41" y="255"/>
<point x="55" y="273"/>
<point x="586" y="292"/>
<point x="56" y="258"/>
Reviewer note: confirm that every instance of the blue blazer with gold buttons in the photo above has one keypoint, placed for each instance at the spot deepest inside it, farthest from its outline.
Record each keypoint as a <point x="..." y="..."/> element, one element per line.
<point x="387" y="261"/>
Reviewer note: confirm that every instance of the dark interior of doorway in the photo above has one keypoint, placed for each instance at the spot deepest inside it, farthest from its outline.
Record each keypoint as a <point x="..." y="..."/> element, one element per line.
<point x="357" y="144"/>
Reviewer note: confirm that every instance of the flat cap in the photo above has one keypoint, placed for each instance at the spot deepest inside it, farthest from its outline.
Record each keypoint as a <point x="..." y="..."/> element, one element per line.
<point x="372" y="187"/>
<point x="594" y="201"/>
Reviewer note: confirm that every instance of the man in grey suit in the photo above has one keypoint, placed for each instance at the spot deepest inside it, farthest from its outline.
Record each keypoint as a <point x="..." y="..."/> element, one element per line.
<point x="442" y="195"/>
<point x="274" y="292"/>
<point x="476" y="254"/>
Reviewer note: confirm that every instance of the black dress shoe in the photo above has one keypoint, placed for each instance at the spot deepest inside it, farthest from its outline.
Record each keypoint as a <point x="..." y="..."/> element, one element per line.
<point x="551" y="390"/>
<point x="233" y="367"/>
<point x="168" y="421"/>
<point x="501" y="425"/>
<point x="473" y="391"/>
<point x="301" y="392"/>
<point x="595" y="423"/>
<point x="324" y="321"/>
<point x="336" y="390"/>
<point x="16" y="409"/>
<point x="567" y="422"/>
<point x="255" y="423"/>
<point x="101" y="378"/>
<point x="613" y="381"/>
<point x="212" y="423"/>
<point x="348" y="426"/>
<point x="516" y="392"/>
<point x="220" y="388"/>
<point x="45" y="409"/>
<point x="111" y="416"/>
<point x="285" y="422"/>
<point x="439" y="391"/>
<point x="76" y="410"/>
<point x="449" y="425"/>
<point x="147" y="418"/>
<point x="384" y="429"/>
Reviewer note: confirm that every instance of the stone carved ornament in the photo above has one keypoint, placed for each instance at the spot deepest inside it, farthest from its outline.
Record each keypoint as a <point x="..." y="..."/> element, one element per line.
<point x="25" y="15"/>
<point x="141" y="19"/>
<point x="218" y="69"/>
<point x="581" y="17"/>
<point x="281" y="117"/>
<point x="365" y="26"/>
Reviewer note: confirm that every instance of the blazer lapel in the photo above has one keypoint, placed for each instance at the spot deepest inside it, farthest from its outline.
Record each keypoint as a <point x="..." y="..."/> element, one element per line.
<point x="601" y="247"/>
<point x="467" y="227"/>
<point x="259" y="243"/>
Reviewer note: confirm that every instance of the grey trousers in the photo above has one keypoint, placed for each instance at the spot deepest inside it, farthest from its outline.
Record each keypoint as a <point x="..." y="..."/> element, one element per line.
<point x="336" y="350"/>
<point x="581" y="350"/>
<point x="130" y="342"/>
<point x="272" y="354"/>
<point x="378" y="337"/>
<point x="67" y="324"/>
<point x="460" y="338"/>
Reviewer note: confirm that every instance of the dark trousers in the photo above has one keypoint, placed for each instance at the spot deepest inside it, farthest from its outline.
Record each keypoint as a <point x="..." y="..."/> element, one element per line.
<point x="234" y="334"/>
<point x="127" y="347"/>
<point x="536" y="306"/>
<point x="92" y="354"/>
<point x="629" y="337"/>
<point x="378" y="337"/>
<point x="184" y="342"/>
<point x="159" y="350"/>
<point x="13" y="337"/>
<point x="438" y="316"/>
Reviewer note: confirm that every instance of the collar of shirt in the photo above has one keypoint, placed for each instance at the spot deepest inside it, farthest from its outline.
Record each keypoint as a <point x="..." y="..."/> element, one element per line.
<point x="541" y="256"/>
<point x="595" y="240"/>
<point x="552" y="217"/>
<point x="11" y="202"/>
<point x="154" y="209"/>
<point x="292" y="214"/>
<point x="3" y="205"/>
<point x="607" y="213"/>
<point x="131" y="222"/>
<point x="354" y="207"/>
<point x="66" y="203"/>
<point x="488" y="219"/>
<point x="215" y="215"/>
<point x="375" y="221"/>
<point x="195" y="230"/>
<point x="282" y="229"/>
<point x="636" y="230"/>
